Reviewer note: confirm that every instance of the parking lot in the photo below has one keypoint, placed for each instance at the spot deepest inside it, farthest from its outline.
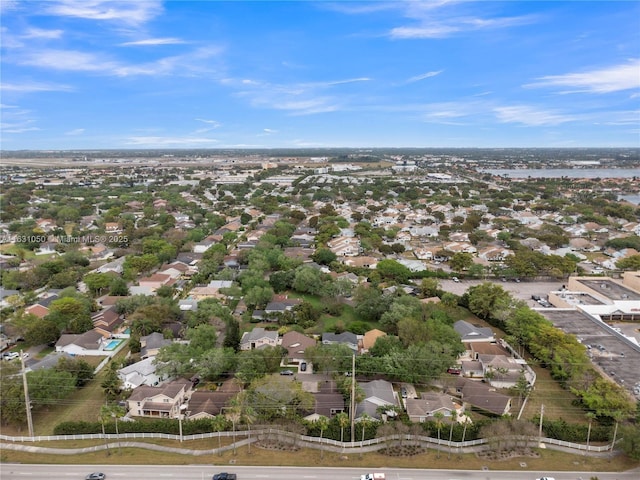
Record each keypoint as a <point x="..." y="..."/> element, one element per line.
<point x="521" y="290"/>
<point x="615" y="358"/>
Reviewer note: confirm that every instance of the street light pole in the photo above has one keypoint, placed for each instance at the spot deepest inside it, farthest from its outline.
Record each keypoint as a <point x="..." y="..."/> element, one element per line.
<point x="180" y="415"/>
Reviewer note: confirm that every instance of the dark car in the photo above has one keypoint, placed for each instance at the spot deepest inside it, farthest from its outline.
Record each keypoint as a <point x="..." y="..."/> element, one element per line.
<point x="286" y="372"/>
<point x="303" y="367"/>
<point x="224" y="476"/>
<point x="95" y="476"/>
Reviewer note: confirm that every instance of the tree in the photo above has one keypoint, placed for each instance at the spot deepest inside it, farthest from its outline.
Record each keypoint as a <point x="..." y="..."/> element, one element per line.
<point x="590" y="416"/>
<point x="233" y="414"/>
<point x="37" y="331"/>
<point x="629" y="263"/>
<point x="118" y="287"/>
<point x="215" y="363"/>
<point x="393" y="270"/>
<point x="486" y="299"/>
<point x="111" y="382"/>
<point x="13" y="411"/>
<point x="80" y="369"/>
<point x="308" y="280"/>
<point x="71" y="315"/>
<point x="323" y="423"/>
<point x="97" y="282"/>
<point x="324" y="256"/>
<point x="218" y="424"/>
<point x="461" y="261"/>
<point x="429" y="287"/>
<point x="438" y="416"/>
<point x="48" y="386"/>
<point x="342" y="419"/>
<point x="630" y="441"/>
<point x="258" y="296"/>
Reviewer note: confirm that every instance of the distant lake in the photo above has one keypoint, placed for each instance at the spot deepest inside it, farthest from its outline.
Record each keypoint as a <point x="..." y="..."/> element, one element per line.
<point x="566" y="172"/>
<point x="630" y="198"/>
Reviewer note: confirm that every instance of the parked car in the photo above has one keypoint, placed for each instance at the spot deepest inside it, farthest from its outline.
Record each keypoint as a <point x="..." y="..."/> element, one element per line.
<point x="456" y="279"/>
<point x="96" y="476"/>
<point x="224" y="476"/>
<point x="303" y="366"/>
<point x="286" y="372"/>
<point x="10" y="355"/>
<point x="403" y="392"/>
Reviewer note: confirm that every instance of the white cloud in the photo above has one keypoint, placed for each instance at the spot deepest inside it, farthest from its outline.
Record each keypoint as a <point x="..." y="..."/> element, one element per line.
<point x="72" y="60"/>
<point x="154" y="41"/>
<point x="77" y="131"/>
<point x="66" y="60"/>
<point x="424" y="76"/>
<point x="213" y="123"/>
<point x="269" y="130"/>
<point x="29" y="87"/>
<point x="298" y="98"/>
<point x="124" y="11"/>
<point x="605" y="80"/>
<point x="41" y="33"/>
<point x="530" y="116"/>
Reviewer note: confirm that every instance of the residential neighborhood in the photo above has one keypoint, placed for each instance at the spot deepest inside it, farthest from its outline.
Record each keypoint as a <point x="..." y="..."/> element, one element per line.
<point x="283" y="286"/>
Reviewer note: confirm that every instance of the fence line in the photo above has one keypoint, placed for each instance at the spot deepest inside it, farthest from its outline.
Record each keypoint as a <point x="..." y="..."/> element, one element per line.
<point x="317" y="442"/>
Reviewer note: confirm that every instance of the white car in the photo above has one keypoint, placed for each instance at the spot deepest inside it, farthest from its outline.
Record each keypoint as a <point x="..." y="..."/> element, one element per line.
<point x="10" y="355"/>
<point x="546" y="478"/>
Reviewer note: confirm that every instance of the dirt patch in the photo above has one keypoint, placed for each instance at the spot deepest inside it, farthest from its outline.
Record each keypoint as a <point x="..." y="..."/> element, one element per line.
<point x="507" y="454"/>
<point x="403" y="451"/>
<point x="275" y="445"/>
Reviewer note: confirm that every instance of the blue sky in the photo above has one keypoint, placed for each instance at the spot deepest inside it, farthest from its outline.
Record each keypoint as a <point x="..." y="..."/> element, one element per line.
<point x="93" y="74"/>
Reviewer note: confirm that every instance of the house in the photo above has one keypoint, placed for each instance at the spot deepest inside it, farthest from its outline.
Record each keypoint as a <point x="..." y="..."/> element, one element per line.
<point x="423" y="409"/>
<point x="204" y="404"/>
<point x="377" y="393"/>
<point x="500" y="371"/>
<point x="258" y="338"/>
<point x="211" y="290"/>
<point x="345" y="246"/>
<point x="188" y="305"/>
<point x="328" y="401"/>
<point x="369" y="339"/>
<point x="361" y="262"/>
<point x="281" y="304"/>
<point x="483" y="397"/>
<point x="37" y="310"/>
<point x="470" y="333"/>
<point x="347" y="338"/>
<point x="151" y="344"/>
<point x="88" y="343"/>
<point x="155" y="281"/>
<point x="159" y="402"/>
<point x="140" y="373"/>
<point x="106" y="321"/>
<point x="296" y="343"/>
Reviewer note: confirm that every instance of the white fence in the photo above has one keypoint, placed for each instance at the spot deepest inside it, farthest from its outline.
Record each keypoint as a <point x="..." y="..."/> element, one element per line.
<point x="321" y="443"/>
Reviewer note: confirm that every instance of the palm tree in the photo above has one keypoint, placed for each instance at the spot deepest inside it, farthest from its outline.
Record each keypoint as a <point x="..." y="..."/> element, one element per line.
<point x="590" y="416"/>
<point x="464" y="430"/>
<point x="438" y="416"/>
<point x="248" y="417"/>
<point x="617" y="416"/>
<point x="104" y="415"/>
<point x="365" y="421"/>
<point x="454" y="417"/>
<point x="218" y="424"/>
<point x="323" y="423"/>
<point x="233" y="415"/>
<point x="343" y="421"/>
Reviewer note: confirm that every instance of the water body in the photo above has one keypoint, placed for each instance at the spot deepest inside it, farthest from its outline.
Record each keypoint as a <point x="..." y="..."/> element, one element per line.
<point x="630" y="198"/>
<point x="565" y="172"/>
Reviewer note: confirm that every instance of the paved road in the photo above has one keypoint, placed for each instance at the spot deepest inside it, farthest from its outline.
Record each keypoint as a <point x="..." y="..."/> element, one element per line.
<point x="201" y="472"/>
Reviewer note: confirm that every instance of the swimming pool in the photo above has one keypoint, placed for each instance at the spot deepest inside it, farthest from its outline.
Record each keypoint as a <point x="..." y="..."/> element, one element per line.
<point x="112" y="345"/>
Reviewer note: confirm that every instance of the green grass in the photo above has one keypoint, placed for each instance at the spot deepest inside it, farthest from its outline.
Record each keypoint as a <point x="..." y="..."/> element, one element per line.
<point x="549" y="460"/>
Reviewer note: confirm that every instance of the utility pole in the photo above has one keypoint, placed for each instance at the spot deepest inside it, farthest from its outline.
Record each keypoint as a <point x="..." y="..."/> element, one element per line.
<point x="27" y="402"/>
<point x="540" y="429"/>
<point x="353" y="397"/>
